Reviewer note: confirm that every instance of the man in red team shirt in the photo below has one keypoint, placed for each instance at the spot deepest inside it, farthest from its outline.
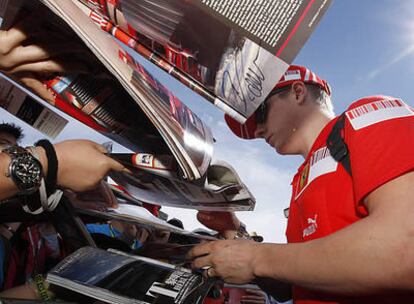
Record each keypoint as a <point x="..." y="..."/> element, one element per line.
<point x="351" y="236"/>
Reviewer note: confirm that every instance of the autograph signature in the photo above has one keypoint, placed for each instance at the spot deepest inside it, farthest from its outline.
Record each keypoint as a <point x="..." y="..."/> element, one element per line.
<point x="246" y="82"/>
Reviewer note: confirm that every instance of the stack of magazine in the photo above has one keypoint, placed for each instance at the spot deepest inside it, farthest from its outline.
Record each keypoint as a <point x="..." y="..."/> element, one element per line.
<point x="231" y="55"/>
<point x="125" y="102"/>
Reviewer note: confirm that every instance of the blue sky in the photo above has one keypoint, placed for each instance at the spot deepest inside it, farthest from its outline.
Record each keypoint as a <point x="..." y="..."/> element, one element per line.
<point x="361" y="47"/>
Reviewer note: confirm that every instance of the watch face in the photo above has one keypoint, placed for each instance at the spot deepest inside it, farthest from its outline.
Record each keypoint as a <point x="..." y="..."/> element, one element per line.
<point x="24" y="169"/>
<point x="28" y="171"/>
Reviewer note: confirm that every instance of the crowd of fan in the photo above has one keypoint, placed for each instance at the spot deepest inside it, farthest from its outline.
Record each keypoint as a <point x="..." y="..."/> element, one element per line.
<point x="32" y="246"/>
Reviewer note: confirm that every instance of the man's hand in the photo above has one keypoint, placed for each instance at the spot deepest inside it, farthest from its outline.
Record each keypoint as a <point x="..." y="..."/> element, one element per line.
<point x="83" y="164"/>
<point x="231" y="260"/>
<point x="226" y="223"/>
<point x="31" y="52"/>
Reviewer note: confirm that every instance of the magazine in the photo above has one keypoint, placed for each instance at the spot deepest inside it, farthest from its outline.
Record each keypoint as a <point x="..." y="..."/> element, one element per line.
<point x="181" y="129"/>
<point x="174" y="253"/>
<point x="122" y="195"/>
<point x="116" y="277"/>
<point x="139" y="216"/>
<point x="220" y="190"/>
<point x="230" y="52"/>
<point x="160" y="173"/>
<point x="123" y="101"/>
<point x="25" y="107"/>
<point x="225" y="48"/>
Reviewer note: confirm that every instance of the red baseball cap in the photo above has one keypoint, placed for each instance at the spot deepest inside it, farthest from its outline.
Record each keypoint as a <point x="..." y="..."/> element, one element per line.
<point x="292" y="74"/>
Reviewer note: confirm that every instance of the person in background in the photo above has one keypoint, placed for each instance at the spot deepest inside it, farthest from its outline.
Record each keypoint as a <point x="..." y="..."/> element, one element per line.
<point x="10" y="135"/>
<point x="78" y="166"/>
<point x="24" y="250"/>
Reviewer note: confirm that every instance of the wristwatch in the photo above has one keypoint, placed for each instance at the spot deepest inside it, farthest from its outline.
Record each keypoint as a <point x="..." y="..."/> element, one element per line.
<point x="24" y="169"/>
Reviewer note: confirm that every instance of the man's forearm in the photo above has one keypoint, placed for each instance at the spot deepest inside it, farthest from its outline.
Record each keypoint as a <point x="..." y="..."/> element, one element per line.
<point x="362" y="258"/>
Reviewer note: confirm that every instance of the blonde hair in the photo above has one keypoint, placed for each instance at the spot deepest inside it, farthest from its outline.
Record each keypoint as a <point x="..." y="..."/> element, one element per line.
<point x="321" y="98"/>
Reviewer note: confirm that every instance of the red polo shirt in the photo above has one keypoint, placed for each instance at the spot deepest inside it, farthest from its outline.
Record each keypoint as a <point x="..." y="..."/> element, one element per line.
<point x="379" y="132"/>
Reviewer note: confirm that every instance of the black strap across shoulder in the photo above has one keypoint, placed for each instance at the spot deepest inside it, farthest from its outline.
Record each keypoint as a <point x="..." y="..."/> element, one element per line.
<point x="337" y="145"/>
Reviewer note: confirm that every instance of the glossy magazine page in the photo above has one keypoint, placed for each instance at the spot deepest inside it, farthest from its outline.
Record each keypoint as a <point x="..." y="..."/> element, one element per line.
<point x="121" y="99"/>
<point x="114" y="58"/>
<point x="116" y="277"/>
<point x="139" y="216"/>
<point x="192" y="136"/>
<point x="26" y="106"/>
<point x="161" y="188"/>
<point x="125" y="123"/>
<point x="231" y="52"/>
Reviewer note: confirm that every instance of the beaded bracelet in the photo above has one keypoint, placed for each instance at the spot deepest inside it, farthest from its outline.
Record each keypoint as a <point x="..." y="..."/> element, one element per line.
<point x="42" y="288"/>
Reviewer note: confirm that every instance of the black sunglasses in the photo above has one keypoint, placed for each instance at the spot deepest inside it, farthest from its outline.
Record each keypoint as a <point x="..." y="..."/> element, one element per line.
<point x="261" y="111"/>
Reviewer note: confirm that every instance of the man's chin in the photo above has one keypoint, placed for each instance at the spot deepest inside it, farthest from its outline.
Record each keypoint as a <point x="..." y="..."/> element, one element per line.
<point x="282" y="150"/>
<point x="279" y="150"/>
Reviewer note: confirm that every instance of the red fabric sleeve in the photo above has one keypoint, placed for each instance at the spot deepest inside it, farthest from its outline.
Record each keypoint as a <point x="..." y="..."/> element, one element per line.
<point x="380" y="150"/>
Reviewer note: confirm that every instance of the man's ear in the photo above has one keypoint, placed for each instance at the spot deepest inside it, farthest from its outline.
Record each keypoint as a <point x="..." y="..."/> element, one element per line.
<point x="299" y="90"/>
